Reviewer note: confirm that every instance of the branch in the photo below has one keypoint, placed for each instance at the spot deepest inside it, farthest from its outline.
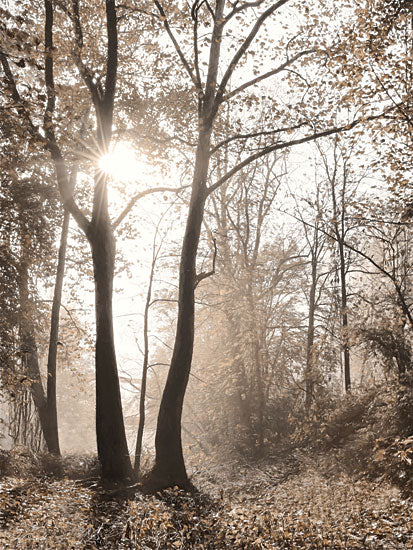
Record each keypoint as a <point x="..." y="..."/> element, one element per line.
<point x="253" y="135"/>
<point x="49" y="73"/>
<point x="63" y="179"/>
<point x="194" y="13"/>
<point x="49" y="142"/>
<point x="85" y="72"/>
<point x="244" y="47"/>
<point x="266" y="75"/>
<point x="398" y="105"/>
<point x="140" y="195"/>
<point x="242" y="7"/>
<point x="405" y="308"/>
<point x="18" y="101"/>
<point x="112" y="54"/>
<point x="160" y="140"/>
<point x="185" y="63"/>
<point x="76" y="21"/>
<point x="64" y="185"/>
<point x="156" y="300"/>
<point x="206" y="274"/>
<point x="286" y="144"/>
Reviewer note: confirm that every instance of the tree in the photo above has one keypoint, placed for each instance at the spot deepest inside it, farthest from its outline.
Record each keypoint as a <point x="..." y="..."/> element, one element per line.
<point x="29" y="221"/>
<point x="146" y="365"/>
<point x="386" y="293"/>
<point x="260" y="270"/>
<point x="208" y="94"/>
<point x="343" y="188"/>
<point x="65" y="143"/>
<point x="112" y="446"/>
<point x="316" y="243"/>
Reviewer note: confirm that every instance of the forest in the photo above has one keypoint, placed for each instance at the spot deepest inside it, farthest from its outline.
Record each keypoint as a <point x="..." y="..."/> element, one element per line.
<point x="206" y="270"/>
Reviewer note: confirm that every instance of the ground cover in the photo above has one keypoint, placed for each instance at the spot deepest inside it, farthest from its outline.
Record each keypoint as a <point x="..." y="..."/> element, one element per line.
<point x="270" y="507"/>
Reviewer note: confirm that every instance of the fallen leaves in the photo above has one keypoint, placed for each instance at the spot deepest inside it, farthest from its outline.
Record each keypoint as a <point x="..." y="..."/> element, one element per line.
<point x="306" y="510"/>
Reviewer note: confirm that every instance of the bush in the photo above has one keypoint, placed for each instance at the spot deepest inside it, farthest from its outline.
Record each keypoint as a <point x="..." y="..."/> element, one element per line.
<point x="21" y="462"/>
<point x="393" y="458"/>
<point x="81" y="466"/>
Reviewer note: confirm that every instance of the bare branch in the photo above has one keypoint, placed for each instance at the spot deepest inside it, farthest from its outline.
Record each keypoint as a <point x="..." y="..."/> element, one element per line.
<point x="87" y="75"/>
<point x="185" y="63"/>
<point x="285" y="144"/>
<point x="156" y="300"/>
<point x="403" y="304"/>
<point x="255" y="134"/>
<point x="243" y="48"/>
<point x="398" y="105"/>
<point x="242" y="7"/>
<point x="154" y="139"/>
<point x="266" y="75"/>
<point x="139" y="196"/>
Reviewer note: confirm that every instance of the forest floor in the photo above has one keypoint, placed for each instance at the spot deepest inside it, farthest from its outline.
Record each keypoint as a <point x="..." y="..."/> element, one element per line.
<point x="274" y="507"/>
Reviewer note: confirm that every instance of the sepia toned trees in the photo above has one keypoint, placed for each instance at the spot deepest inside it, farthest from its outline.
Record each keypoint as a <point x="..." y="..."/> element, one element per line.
<point x="218" y="91"/>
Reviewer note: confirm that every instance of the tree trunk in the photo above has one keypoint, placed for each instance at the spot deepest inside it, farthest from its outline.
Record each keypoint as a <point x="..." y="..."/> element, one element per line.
<point x="344" y="318"/>
<point x="30" y="358"/>
<point x="169" y="469"/>
<point x="257" y="383"/>
<point x="260" y="398"/>
<point x="32" y="370"/>
<point x="309" y="375"/>
<point x="110" y="430"/>
<point x="53" y="339"/>
<point x="141" y="426"/>
<point x="340" y="231"/>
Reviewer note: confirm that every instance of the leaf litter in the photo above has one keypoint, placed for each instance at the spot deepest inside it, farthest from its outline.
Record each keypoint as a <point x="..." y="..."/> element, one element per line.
<point x="250" y="510"/>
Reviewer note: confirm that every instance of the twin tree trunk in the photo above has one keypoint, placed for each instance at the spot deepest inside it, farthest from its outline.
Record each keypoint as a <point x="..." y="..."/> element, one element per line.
<point x="169" y="466"/>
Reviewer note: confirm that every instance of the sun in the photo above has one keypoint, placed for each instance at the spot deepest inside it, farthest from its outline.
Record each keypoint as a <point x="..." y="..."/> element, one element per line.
<point x="122" y="164"/>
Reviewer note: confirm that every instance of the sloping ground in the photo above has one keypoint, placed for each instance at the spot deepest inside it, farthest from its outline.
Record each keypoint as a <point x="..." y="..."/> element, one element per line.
<point x="255" y="510"/>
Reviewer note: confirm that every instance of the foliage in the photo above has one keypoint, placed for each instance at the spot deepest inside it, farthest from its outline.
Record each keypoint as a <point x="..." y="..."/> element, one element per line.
<point x="367" y="432"/>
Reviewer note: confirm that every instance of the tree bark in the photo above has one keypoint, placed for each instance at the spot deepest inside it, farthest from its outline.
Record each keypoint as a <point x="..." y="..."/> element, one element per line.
<point x="340" y="232"/>
<point x="141" y="425"/>
<point x="344" y="318"/>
